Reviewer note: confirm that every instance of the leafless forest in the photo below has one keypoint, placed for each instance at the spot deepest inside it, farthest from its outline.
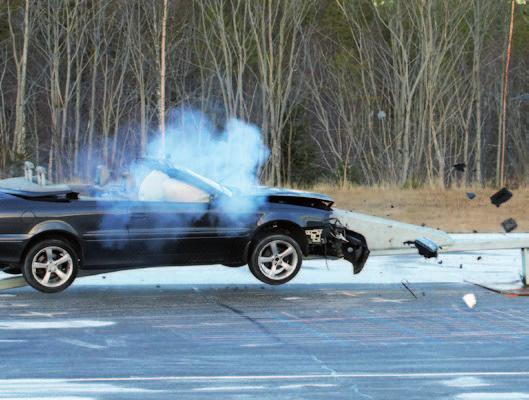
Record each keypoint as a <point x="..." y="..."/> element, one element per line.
<point x="344" y="91"/>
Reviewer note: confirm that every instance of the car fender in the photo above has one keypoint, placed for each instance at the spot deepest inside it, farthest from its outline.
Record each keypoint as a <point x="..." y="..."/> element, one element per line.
<point x="312" y="219"/>
<point x="52" y="225"/>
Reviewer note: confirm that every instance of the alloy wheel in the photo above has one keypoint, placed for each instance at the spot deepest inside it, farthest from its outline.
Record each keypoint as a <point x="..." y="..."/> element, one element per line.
<point x="52" y="266"/>
<point x="278" y="259"/>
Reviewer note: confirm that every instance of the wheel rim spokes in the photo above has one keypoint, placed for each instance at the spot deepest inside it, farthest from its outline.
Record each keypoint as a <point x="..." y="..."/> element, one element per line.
<point x="52" y="266"/>
<point x="278" y="259"/>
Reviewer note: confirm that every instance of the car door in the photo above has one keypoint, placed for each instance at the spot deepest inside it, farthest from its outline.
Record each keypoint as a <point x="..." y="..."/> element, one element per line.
<point x="175" y="233"/>
<point x="103" y="227"/>
<point x="168" y="232"/>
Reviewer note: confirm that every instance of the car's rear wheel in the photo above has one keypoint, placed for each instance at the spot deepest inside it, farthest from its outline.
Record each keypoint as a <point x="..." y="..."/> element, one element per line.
<point x="275" y="259"/>
<point x="51" y="265"/>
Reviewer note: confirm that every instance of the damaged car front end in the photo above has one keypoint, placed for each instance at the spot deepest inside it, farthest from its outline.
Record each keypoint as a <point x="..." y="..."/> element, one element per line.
<point x="326" y="237"/>
<point x="336" y="241"/>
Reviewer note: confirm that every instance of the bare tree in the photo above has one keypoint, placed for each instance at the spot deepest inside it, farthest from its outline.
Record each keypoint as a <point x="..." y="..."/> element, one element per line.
<point x="20" y="59"/>
<point x="161" y="106"/>
<point x="276" y="27"/>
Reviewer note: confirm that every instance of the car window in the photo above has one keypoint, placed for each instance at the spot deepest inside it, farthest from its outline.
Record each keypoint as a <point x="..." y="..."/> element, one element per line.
<point x="158" y="186"/>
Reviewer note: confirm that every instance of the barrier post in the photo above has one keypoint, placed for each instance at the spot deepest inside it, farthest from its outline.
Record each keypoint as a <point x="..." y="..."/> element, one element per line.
<point x="525" y="266"/>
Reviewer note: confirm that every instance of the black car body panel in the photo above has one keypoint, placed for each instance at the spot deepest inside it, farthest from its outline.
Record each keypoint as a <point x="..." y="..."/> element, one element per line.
<point x="120" y="234"/>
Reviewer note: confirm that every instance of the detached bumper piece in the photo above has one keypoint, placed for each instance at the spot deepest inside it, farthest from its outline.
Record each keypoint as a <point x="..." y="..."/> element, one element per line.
<point x="344" y="243"/>
<point x="426" y="247"/>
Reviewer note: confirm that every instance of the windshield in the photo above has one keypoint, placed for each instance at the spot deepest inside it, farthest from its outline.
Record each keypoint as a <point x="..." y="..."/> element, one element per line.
<point x="217" y="186"/>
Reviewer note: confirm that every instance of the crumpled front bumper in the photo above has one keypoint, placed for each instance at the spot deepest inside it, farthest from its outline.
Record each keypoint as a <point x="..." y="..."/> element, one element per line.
<point x="344" y="243"/>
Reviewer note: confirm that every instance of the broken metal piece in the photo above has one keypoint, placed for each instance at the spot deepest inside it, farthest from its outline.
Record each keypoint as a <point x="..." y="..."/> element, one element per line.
<point x="500" y="197"/>
<point x="470" y="300"/>
<point x="509" y="225"/>
<point x="314" y="235"/>
<point x="426" y="247"/>
<point x="344" y="243"/>
<point x="405" y="284"/>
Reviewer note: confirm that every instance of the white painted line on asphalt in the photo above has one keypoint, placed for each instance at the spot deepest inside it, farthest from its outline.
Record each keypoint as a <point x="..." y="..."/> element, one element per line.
<point x="351" y="375"/>
<point x="227" y="388"/>
<point x="13" y="305"/>
<point x="57" y="324"/>
<point x="381" y="300"/>
<point x="51" y="398"/>
<point x="39" y="314"/>
<point x="308" y="385"/>
<point x="493" y="396"/>
<point x="80" y="343"/>
<point x="465" y="382"/>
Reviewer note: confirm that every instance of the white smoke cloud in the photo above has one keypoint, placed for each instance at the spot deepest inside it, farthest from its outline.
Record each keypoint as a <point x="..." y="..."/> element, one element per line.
<point x="232" y="156"/>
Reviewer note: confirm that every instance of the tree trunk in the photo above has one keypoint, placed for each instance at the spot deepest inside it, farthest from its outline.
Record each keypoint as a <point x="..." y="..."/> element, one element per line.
<point x="20" y="107"/>
<point x="161" y="103"/>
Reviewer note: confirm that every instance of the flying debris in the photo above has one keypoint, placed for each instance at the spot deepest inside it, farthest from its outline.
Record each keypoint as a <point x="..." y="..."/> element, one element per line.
<point x="406" y="284"/>
<point x="500" y="197"/>
<point x="426" y="247"/>
<point x="460" y="167"/>
<point x="509" y="225"/>
<point x="471" y="195"/>
<point x="470" y="300"/>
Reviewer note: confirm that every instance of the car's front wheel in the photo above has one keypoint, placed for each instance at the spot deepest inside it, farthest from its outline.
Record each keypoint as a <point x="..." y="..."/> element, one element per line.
<point x="275" y="259"/>
<point x="50" y="265"/>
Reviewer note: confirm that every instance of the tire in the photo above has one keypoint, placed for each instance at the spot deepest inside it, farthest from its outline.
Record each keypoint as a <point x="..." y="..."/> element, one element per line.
<point x="267" y="264"/>
<point x="41" y="271"/>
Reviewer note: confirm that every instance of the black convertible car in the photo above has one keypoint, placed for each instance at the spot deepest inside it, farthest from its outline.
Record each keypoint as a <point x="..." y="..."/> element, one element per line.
<point x="50" y="235"/>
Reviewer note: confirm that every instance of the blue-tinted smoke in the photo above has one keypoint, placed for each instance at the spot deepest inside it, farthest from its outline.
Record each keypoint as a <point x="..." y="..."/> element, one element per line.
<point x="231" y="156"/>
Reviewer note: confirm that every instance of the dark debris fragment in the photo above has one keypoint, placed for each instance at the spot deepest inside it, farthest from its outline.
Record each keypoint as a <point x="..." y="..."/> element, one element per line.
<point x="406" y="285"/>
<point x="500" y="197"/>
<point x="471" y="195"/>
<point x="509" y="225"/>
<point x="460" y="167"/>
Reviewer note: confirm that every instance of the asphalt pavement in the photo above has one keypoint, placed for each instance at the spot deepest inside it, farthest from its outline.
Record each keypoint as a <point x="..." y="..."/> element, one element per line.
<point x="248" y="341"/>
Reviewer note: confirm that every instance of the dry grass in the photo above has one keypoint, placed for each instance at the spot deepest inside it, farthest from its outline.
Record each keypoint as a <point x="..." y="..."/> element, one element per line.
<point x="449" y="209"/>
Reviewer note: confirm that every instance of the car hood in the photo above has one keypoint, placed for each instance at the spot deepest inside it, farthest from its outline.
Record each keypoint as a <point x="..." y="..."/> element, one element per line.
<point x="295" y="197"/>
